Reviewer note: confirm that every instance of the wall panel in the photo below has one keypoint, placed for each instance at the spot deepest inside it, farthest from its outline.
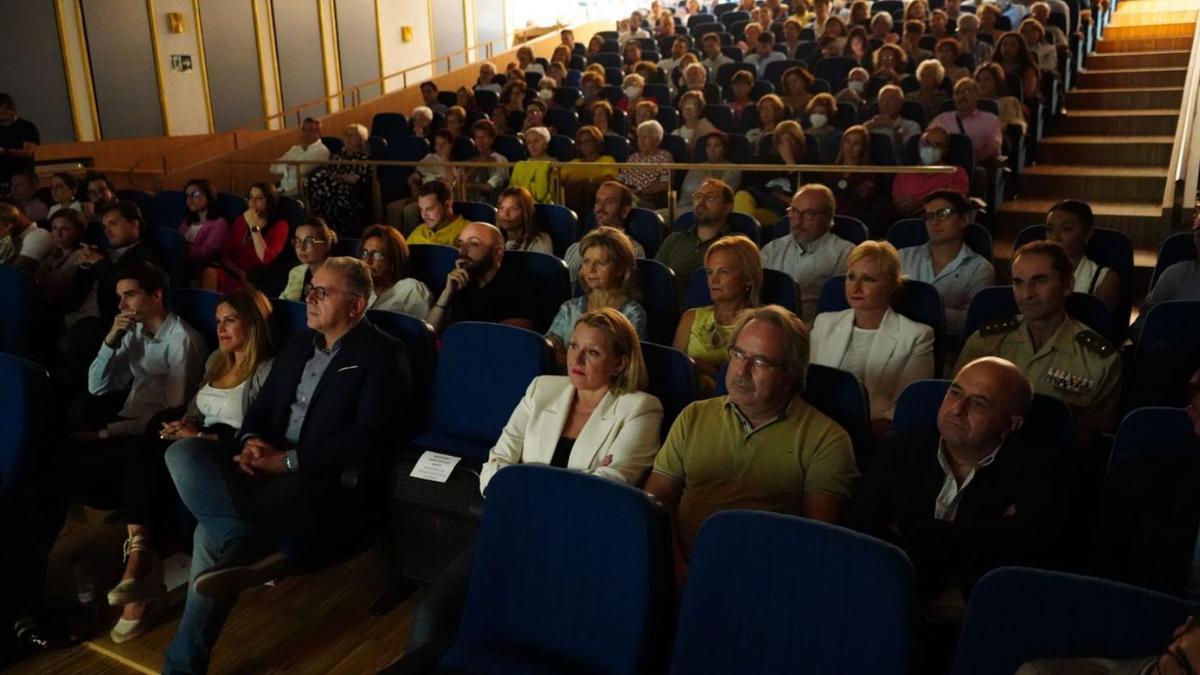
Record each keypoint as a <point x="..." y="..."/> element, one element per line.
<point x="298" y="47"/>
<point x="229" y="50"/>
<point x="358" y="45"/>
<point x="123" y="72"/>
<point x="29" y="37"/>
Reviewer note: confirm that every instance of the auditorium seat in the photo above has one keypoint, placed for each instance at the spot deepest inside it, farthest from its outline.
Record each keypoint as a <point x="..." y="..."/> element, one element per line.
<point x="24" y="412"/>
<point x="739" y="223"/>
<point x="389" y="125"/>
<point x="656" y="291"/>
<point x="476" y="211"/>
<point x="231" y="206"/>
<point x="545" y="280"/>
<point x="672" y="380"/>
<point x="145" y="203"/>
<point x="173" y="248"/>
<point x="16" y="310"/>
<point x="997" y="302"/>
<point x="168" y="209"/>
<point x="289" y="318"/>
<point x="1165" y="355"/>
<point x="1178" y="247"/>
<point x="421" y="343"/>
<point x="777" y="289"/>
<point x="911" y="232"/>
<point x="198" y="309"/>
<point x="430" y="263"/>
<point x="1155" y="431"/>
<point x="849" y="228"/>
<point x="561" y="223"/>
<point x="771" y="593"/>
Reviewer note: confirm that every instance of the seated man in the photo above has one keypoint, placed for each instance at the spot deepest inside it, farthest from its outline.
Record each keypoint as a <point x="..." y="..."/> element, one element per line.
<point x="810" y="254"/>
<point x="310" y="148"/>
<point x="764" y="53"/>
<point x="710" y="47"/>
<point x="1061" y="356"/>
<point x="1181" y="655"/>
<point x="30" y="243"/>
<point x="331" y="399"/>
<point x="441" y="225"/>
<point x="969" y="497"/>
<point x="100" y="193"/>
<point x="614" y="201"/>
<point x="981" y="126"/>
<point x="23" y="193"/>
<point x="945" y="261"/>
<point x="429" y="96"/>
<point x="480" y="287"/>
<point x="909" y="190"/>
<point x="1180" y="281"/>
<point x="760" y="447"/>
<point x="684" y="251"/>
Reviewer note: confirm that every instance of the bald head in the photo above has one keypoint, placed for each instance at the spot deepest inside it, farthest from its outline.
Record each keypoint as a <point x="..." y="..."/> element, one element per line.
<point x="485" y="232"/>
<point x="986" y="402"/>
<point x="480" y="250"/>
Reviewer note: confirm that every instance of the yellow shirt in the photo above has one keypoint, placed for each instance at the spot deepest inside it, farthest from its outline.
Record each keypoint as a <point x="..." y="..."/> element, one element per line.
<point x="709" y="340"/>
<point x="590" y="173"/>
<point x="445" y="235"/>
<point x="534" y="175"/>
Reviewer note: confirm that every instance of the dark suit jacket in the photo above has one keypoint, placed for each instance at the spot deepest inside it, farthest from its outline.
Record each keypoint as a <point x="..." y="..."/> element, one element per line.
<point x="1006" y="516"/>
<point x="354" y="409"/>
<point x="102" y="276"/>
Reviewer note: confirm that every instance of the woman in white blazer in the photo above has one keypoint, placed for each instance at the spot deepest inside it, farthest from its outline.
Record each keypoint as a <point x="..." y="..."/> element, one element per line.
<point x="594" y="419"/>
<point x="884" y="349"/>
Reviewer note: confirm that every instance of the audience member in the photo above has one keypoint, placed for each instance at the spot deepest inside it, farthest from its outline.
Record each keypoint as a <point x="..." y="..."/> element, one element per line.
<point x="30" y="244"/>
<point x="810" y="254"/>
<point x="534" y="173"/>
<point x="930" y="94"/>
<point x="771" y="112"/>
<point x="715" y="146"/>
<point x="684" y="251"/>
<point x="19" y="139"/>
<point x="889" y="120"/>
<point x="764" y="53"/>
<point x="821" y="112"/>
<point x="1070" y="223"/>
<point x="100" y="193"/>
<point x="891" y="62"/>
<point x="420" y="122"/>
<point x="884" y="349"/>
<point x="765" y="196"/>
<point x="313" y="243"/>
<point x="441" y="225"/>
<point x="63" y="189"/>
<point x="955" y="269"/>
<point x="710" y="46"/>
<point x="740" y="86"/>
<point x="309" y="149"/>
<point x="56" y="272"/>
<point x="968" y="39"/>
<point x="760" y="447"/>
<point x="480" y="287"/>
<point x="993" y="86"/>
<point x="1043" y="54"/>
<point x="982" y="127"/>
<point x="914" y="30"/>
<point x="203" y="227"/>
<point x="257" y="238"/>
<point x="607" y="278"/>
<point x="1012" y="54"/>
<point x="692" y="124"/>
<point x="649" y="185"/>
<point x="284" y="480"/>
<point x="1181" y="655"/>
<point x="581" y="182"/>
<point x="429" y="95"/>
<point x="859" y="195"/>
<point x="947" y="51"/>
<point x="796" y="82"/>
<point x="517" y="220"/>
<point x="386" y="254"/>
<point x="535" y="115"/>
<point x="1180" y="281"/>
<point x="488" y="80"/>
<point x="337" y="192"/>
<point x="614" y="201"/>
<point x="910" y="190"/>
<point x="22" y="190"/>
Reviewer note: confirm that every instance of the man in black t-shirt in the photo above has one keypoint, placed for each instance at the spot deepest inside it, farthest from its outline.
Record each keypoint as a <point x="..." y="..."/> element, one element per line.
<point x="18" y="140"/>
<point x="480" y="288"/>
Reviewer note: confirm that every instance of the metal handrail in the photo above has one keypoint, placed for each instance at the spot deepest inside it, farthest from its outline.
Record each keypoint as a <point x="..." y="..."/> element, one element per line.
<point x="1184" y="169"/>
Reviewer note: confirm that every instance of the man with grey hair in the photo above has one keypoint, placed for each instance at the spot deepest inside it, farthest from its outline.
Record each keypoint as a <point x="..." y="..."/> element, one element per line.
<point x="761" y="446"/>
<point x="968" y="496"/>
<point x="330" y="400"/>
<point x="968" y="39"/>
<point x="810" y="253"/>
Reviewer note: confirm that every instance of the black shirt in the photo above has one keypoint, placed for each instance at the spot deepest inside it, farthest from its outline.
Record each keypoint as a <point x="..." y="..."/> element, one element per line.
<point x="501" y="299"/>
<point x="562" y="452"/>
<point x="13" y="137"/>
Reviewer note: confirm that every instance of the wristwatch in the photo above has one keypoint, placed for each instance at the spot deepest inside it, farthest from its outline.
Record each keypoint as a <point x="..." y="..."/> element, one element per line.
<point x="102" y="434"/>
<point x="290" y="462"/>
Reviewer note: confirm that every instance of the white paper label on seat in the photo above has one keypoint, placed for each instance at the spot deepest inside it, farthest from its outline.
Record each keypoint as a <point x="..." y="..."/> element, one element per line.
<point x="434" y="466"/>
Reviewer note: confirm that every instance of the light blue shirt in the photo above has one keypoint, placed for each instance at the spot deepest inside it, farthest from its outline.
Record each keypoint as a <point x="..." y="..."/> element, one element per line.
<point x="957" y="282"/>
<point x="570" y="311"/>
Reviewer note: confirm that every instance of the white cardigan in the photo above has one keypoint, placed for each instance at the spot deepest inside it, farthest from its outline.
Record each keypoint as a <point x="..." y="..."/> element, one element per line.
<point x="901" y="354"/>
<point x="625" y="427"/>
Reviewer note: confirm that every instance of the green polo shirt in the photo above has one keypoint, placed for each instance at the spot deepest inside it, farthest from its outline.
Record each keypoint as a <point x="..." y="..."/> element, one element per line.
<point x="724" y="464"/>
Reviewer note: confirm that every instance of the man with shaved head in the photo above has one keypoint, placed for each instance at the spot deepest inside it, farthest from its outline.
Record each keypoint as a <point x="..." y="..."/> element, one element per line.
<point x="480" y="288"/>
<point x="968" y="496"/>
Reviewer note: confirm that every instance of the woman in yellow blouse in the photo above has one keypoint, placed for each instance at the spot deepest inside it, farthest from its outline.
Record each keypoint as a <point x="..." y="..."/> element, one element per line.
<point x="534" y="174"/>
<point x="581" y="182"/>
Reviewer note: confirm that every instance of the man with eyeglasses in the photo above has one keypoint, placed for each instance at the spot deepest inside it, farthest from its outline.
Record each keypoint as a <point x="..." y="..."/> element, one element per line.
<point x="810" y="253"/>
<point x="909" y="190"/>
<point x="684" y="251"/>
<point x="310" y="149"/>
<point x="967" y="496"/>
<point x="955" y="269"/>
<point x="441" y="225"/>
<point x="1180" y="657"/>
<point x="480" y="287"/>
<point x="331" y="400"/>
<point x="761" y="446"/>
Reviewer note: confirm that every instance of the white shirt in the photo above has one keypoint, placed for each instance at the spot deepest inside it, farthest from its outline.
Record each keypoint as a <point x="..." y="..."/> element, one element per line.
<point x="542" y="243"/>
<point x="945" y="508"/>
<point x="221" y="406"/>
<point x="574" y="258"/>
<point x="289" y="177"/>
<point x="957" y="282"/>
<point x="762" y="62"/>
<point x="160" y="371"/>
<point x="809" y="265"/>
<point x="74" y="206"/>
<point x="715" y="64"/>
<point x="34" y="243"/>
<point x="855" y="358"/>
<point x="407" y="296"/>
<point x="1089" y="275"/>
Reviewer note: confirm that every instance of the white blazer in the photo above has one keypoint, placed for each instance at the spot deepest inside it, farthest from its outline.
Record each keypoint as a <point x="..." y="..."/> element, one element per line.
<point x="625" y="427"/>
<point x="901" y="354"/>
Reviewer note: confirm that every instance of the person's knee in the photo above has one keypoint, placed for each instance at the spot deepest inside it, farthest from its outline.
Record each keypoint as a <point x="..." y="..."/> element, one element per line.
<point x="184" y="456"/>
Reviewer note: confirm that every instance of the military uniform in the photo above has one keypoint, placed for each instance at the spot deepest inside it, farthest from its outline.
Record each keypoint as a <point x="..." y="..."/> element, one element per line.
<point x="1076" y="366"/>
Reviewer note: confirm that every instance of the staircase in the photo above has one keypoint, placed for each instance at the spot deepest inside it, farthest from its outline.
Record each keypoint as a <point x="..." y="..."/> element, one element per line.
<point x="1112" y="146"/>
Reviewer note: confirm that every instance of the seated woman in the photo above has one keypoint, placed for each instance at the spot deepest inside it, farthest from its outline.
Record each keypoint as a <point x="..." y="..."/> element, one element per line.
<point x="312" y="243"/>
<point x="631" y="54"/>
<point x="989" y="14"/>
<point x="1045" y="55"/>
<point x="716" y="147"/>
<point x="993" y="86"/>
<point x="644" y="111"/>
<point x="884" y="349"/>
<point x="859" y="195"/>
<point x="516" y="217"/>
<point x="1013" y="56"/>
<point x="602" y="115"/>
<point x="796" y="83"/>
<point x="930" y="94"/>
<point x="203" y="228"/>
<point x="534" y="173"/>
<point x="233" y="376"/>
<point x="483" y="184"/>
<point x="890" y="62"/>
<point x="770" y="113"/>
<point x="386" y="253"/>
<point x="456" y="121"/>
<point x="649" y="185"/>
<point x="766" y="196"/>
<point x="632" y="87"/>
<point x="855" y="91"/>
<point x="581" y="182"/>
<point x="693" y="125"/>
<point x="857" y="46"/>
<point x="735" y="277"/>
<point x="535" y="115"/>
<point x="56" y="272"/>
<point x="607" y="277"/>
<point x="1070" y="222"/>
<point x="420" y="122"/>
<point x="64" y="189"/>
<point x="947" y="51"/>
<point x="821" y="112"/>
<point x="255" y="240"/>
<point x="740" y="87"/>
<point x="337" y="192"/>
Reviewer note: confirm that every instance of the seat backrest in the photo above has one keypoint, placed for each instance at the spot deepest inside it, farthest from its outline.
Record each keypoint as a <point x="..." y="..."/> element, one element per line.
<point x="388" y="125"/>
<point x="842" y="397"/>
<point x="720" y="115"/>
<point x="173" y="248"/>
<point x="617" y="147"/>
<point x="476" y="211"/>
<point x="198" y="309"/>
<point x="1176" y="248"/>
<point x="908" y="232"/>
<point x="288" y="318"/>
<point x="739" y="223"/>
<point x="511" y="147"/>
<point x="564" y="121"/>
<point x="656" y="286"/>
<point x="545" y="279"/>
<point x="645" y="227"/>
<point x="421" y="344"/>
<point x="430" y="263"/>
<point x="834" y="69"/>
<point x="1018" y="614"/>
<point x="25" y="402"/>
<point x="231" y="205"/>
<point x="16" y="308"/>
<point x="849" y="228"/>
<point x="672" y="380"/>
<point x="775" y="71"/>
<point x="169" y="209"/>
<point x="561" y="223"/>
<point x="772" y="593"/>
<point x="1153" y="431"/>
<point x="145" y="203"/>
<point x="997" y="302"/>
<point x="562" y="148"/>
<point x="527" y="611"/>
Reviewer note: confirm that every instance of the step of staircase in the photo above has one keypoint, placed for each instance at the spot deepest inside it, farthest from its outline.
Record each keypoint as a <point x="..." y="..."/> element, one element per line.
<point x="1153" y="122"/>
<point x="1143" y="222"/>
<point x="1132" y="77"/>
<point x="1093" y="182"/>
<point x="1111" y="44"/>
<point x="1119" y="60"/>
<point x="1153" y="17"/>
<point x="1155" y="31"/>
<point x="1129" y="98"/>
<point x="1113" y="150"/>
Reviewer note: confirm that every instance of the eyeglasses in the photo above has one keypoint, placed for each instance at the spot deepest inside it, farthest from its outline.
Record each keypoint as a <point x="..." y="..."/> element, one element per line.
<point x="941" y="214"/>
<point x="307" y="242"/>
<point x="321" y="292"/>
<point x="368" y="256"/>
<point x="810" y="213"/>
<point x="195" y="194"/>
<point x="759" y="363"/>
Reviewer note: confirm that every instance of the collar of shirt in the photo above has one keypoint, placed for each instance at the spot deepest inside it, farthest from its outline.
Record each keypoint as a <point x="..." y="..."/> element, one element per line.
<point x="814" y="245"/>
<point x="164" y="328"/>
<point x="747" y="427"/>
<point x="945" y="463"/>
<point x="1061" y="340"/>
<point x="118" y="253"/>
<point x="319" y="344"/>
<point x="694" y="233"/>
<point x="965" y="253"/>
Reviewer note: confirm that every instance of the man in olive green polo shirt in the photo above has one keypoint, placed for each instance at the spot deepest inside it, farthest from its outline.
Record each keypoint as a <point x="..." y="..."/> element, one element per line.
<point x="684" y="251"/>
<point x="761" y="447"/>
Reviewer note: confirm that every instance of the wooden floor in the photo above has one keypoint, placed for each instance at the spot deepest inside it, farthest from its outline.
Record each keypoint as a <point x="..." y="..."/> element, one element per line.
<point x="315" y="623"/>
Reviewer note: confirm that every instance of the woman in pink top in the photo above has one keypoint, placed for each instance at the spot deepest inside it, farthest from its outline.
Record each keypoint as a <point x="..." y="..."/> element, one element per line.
<point x="257" y="238"/>
<point x="203" y="228"/>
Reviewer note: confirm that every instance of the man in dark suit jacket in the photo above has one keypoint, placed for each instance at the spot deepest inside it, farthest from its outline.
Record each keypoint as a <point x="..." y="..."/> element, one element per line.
<point x="330" y="400"/>
<point x="976" y="498"/>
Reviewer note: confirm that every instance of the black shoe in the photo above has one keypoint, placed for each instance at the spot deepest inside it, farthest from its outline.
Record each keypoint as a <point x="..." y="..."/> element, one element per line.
<point x="41" y="636"/>
<point x="225" y="581"/>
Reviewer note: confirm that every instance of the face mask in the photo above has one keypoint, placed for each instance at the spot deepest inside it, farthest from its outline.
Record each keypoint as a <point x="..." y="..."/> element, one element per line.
<point x="632" y="92"/>
<point x="856" y="86"/>
<point x="930" y="155"/>
<point x="818" y="120"/>
<point x="545" y="94"/>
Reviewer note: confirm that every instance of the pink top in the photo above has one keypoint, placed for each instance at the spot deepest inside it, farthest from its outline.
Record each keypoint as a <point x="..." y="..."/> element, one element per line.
<point x="917" y="185"/>
<point x="209" y="240"/>
<point x="982" y="127"/>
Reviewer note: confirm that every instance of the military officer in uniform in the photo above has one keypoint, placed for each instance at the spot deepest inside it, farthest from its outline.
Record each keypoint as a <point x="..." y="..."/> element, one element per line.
<point x="1061" y="356"/>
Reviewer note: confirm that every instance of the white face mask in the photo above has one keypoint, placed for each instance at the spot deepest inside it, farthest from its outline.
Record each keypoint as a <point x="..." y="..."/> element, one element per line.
<point x="856" y="86"/>
<point x="545" y="94"/>
<point x="632" y="92"/>
<point x="930" y="155"/>
<point x="818" y="119"/>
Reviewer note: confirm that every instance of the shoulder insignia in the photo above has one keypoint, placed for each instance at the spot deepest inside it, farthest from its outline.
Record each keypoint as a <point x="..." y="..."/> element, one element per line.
<point x="1000" y="326"/>
<point x="1094" y="342"/>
